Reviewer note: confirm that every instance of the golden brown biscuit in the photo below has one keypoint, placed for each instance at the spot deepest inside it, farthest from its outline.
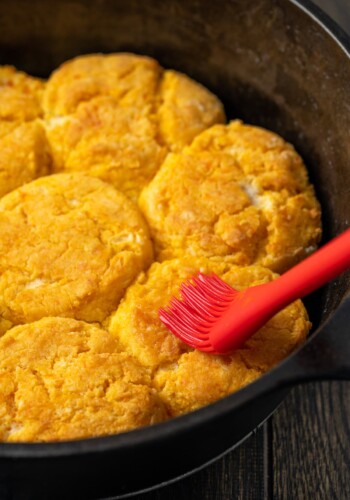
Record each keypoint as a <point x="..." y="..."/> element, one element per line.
<point x="238" y="193"/>
<point x="116" y="116"/>
<point x="24" y="154"/>
<point x="6" y="127"/>
<point x="187" y="379"/>
<point x="116" y="144"/>
<point x="186" y="108"/>
<point x="63" y="379"/>
<point x="131" y="79"/>
<point x="70" y="245"/>
<point x="24" y="150"/>
<point x="20" y="95"/>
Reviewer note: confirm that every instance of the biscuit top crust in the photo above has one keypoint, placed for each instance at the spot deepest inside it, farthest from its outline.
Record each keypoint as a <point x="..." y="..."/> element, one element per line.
<point x="238" y="193"/>
<point x="64" y="379"/>
<point x="180" y="374"/>
<point x="131" y="79"/>
<point x="20" y="95"/>
<point x="75" y="250"/>
<point x="24" y="150"/>
<point x="24" y="154"/>
<point x="116" y="144"/>
<point x="184" y="109"/>
<point x="116" y="117"/>
<point x="70" y="246"/>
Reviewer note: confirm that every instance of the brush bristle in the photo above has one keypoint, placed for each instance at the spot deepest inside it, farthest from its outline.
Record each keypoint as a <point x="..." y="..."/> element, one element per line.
<point x="203" y="300"/>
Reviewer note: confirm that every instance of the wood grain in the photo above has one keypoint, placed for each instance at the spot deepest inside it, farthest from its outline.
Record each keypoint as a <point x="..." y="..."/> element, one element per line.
<point x="311" y="443"/>
<point x="239" y="475"/>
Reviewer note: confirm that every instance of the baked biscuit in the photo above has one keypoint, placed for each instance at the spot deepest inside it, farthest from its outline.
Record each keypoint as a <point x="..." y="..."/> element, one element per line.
<point x="116" y="116"/>
<point x="24" y="150"/>
<point x="70" y="245"/>
<point x="116" y="144"/>
<point x="225" y="197"/>
<point x="238" y="193"/>
<point x="24" y="154"/>
<point x="131" y="79"/>
<point x="180" y="374"/>
<point x="64" y="379"/>
<point x="20" y="95"/>
<point x="184" y="109"/>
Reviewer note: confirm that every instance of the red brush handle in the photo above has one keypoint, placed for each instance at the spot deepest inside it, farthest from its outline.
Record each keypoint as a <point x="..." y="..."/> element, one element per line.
<point x="258" y="304"/>
<point x="323" y="266"/>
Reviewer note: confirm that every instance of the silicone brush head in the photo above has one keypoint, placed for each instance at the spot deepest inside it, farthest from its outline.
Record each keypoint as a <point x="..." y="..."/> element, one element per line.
<point x="193" y="319"/>
<point x="214" y="317"/>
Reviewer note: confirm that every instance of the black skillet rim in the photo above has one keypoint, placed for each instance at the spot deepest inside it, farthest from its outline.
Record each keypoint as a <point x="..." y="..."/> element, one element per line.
<point x="226" y="405"/>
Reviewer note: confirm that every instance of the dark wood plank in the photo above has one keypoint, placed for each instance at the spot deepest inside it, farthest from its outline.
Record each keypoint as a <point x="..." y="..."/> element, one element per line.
<point x="311" y="443"/>
<point x="237" y="476"/>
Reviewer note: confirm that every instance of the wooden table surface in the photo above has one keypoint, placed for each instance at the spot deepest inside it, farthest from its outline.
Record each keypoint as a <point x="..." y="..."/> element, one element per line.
<point x="302" y="452"/>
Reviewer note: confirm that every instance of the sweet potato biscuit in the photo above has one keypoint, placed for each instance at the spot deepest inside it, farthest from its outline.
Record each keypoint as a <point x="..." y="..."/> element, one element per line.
<point x="116" y="144"/>
<point x="131" y="79"/>
<point x="64" y="379"/>
<point x="222" y="197"/>
<point x="187" y="379"/>
<point x="238" y="193"/>
<point x="70" y="245"/>
<point x="24" y="154"/>
<point x="20" y="95"/>
<point x="185" y="108"/>
<point x="24" y="150"/>
<point x="116" y="117"/>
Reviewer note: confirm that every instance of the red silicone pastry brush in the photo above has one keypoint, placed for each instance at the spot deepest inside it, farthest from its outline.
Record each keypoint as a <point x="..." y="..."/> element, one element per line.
<point x="214" y="317"/>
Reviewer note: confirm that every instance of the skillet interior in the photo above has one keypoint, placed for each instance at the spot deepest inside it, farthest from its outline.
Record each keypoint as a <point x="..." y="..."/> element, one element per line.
<point x="272" y="66"/>
<point x="267" y="62"/>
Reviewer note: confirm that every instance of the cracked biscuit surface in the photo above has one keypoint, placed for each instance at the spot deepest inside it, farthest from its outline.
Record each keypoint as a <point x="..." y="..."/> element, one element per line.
<point x="238" y="193"/>
<point x="116" y="117"/>
<point x="24" y="154"/>
<point x="20" y="95"/>
<point x="224" y="198"/>
<point x="116" y="144"/>
<point x="129" y="78"/>
<point x="64" y="379"/>
<point x="24" y="150"/>
<point x="187" y="379"/>
<point x="70" y="246"/>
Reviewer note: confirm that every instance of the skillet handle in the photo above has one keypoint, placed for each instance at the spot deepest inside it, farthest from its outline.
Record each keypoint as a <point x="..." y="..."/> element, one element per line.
<point x="327" y="355"/>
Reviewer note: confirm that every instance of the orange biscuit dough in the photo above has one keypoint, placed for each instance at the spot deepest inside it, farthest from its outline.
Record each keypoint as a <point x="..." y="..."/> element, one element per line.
<point x="24" y="150"/>
<point x="20" y="95"/>
<point x="184" y="109"/>
<point x="83" y="352"/>
<point x="24" y="154"/>
<point x="70" y="245"/>
<point x="117" y="116"/>
<point x="188" y="379"/>
<point x="64" y="379"/>
<point x="238" y="193"/>
<point x="130" y="78"/>
<point x="116" y="144"/>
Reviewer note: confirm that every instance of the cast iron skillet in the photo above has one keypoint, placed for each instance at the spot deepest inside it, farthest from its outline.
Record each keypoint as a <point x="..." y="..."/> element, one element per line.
<point x="276" y="63"/>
